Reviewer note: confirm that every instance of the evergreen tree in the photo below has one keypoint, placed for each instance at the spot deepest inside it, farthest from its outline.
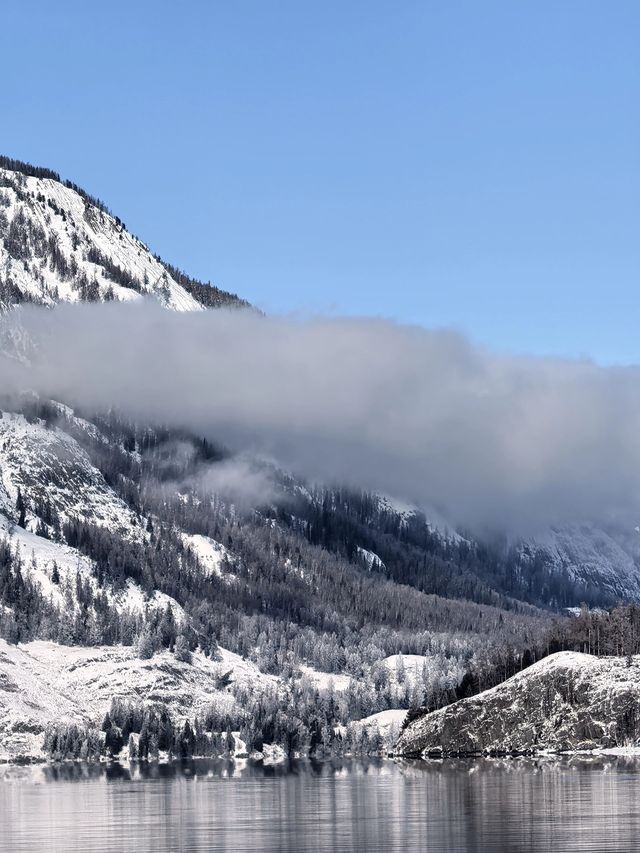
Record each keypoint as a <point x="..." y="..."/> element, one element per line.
<point x="21" y="509"/>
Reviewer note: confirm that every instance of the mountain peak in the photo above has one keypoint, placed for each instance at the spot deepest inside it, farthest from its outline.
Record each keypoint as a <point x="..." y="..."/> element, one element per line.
<point x="59" y="244"/>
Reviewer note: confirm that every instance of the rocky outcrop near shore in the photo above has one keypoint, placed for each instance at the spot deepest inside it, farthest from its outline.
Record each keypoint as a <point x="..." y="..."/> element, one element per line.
<point x="566" y="702"/>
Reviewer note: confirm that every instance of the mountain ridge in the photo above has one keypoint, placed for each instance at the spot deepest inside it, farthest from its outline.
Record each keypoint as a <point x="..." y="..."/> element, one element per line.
<point x="57" y="242"/>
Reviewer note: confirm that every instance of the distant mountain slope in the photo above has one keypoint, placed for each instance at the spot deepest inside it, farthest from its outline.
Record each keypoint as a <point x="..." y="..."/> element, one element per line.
<point x="57" y="243"/>
<point x="604" y="558"/>
<point x="559" y="567"/>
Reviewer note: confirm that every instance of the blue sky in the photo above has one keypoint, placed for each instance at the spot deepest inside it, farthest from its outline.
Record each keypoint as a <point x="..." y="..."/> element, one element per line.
<point x="464" y="164"/>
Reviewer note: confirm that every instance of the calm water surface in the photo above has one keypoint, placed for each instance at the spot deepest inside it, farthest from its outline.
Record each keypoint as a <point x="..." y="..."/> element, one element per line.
<point x="586" y="804"/>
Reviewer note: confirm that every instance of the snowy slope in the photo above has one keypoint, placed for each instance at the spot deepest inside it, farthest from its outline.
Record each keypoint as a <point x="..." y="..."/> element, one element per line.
<point x="46" y="463"/>
<point x="608" y="559"/>
<point x="385" y="723"/>
<point x="325" y="681"/>
<point x="55" y="245"/>
<point x="40" y="555"/>
<point x="209" y="553"/>
<point x="567" y="701"/>
<point x="42" y="682"/>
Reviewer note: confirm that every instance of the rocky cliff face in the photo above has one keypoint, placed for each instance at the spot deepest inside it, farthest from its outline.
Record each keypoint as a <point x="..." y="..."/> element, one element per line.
<point x="568" y="701"/>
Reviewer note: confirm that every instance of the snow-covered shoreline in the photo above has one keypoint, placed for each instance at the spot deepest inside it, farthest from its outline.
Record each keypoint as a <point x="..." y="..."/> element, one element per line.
<point x="42" y="683"/>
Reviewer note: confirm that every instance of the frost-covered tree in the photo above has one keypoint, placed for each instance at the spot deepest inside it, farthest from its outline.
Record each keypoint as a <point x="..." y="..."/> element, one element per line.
<point x="182" y="650"/>
<point x="144" y="645"/>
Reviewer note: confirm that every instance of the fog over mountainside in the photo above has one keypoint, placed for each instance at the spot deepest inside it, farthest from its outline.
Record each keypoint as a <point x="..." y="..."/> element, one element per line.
<point x="500" y="443"/>
<point x="309" y="500"/>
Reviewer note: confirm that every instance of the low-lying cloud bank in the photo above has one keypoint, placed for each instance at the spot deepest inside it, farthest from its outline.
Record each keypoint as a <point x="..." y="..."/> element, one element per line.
<point x="426" y="416"/>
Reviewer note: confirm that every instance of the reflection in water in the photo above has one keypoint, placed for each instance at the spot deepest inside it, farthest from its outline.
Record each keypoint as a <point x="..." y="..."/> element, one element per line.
<point x="585" y="803"/>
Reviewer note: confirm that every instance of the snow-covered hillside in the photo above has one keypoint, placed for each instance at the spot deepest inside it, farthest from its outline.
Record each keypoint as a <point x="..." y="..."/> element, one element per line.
<point x="45" y="468"/>
<point x="57" y="244"/>
<point x="42" y="683"/>
<point x="210" y="554"/>
<point x="567" y="701"/>
<point x="385" y="723"/>
<point x="50" y="466"/>
<point x="605" y="558"/>
<point x="55" y="568"/>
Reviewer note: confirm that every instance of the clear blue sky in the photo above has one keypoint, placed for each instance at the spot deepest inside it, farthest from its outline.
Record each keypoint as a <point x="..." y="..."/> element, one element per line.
<point x="466" y="164"/>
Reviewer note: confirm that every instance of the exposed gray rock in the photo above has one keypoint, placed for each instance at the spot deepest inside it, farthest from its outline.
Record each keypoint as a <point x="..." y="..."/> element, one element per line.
<point x="568" y="701"/>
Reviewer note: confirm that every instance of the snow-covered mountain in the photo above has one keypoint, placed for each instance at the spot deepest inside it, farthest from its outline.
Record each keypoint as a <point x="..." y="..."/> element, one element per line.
<point x="59" y="244"/>
<point x="340" y="605"/>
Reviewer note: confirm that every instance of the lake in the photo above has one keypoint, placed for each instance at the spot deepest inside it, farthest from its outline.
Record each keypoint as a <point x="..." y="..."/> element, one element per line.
<point x="568" y="804"/>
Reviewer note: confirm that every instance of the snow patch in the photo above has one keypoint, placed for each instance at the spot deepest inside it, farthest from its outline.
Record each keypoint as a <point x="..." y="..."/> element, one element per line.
<point x="324" y="681"/>
<point x="371" y="559"/>
<point x="209" y="553"/>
